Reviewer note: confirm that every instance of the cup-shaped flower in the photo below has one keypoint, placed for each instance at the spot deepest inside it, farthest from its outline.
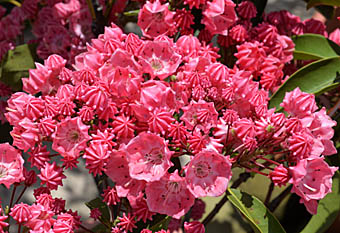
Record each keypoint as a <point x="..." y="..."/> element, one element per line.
<point x="11" y="165"/>
<point x="208" y="174"/>
<point x="169" y="196"/>
<point x="148" y="157"/>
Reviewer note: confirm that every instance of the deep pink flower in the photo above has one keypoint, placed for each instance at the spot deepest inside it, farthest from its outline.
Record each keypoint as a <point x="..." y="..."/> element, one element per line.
<point x="110" y="196"/>
<point x="95" y="213"/>
<point x="70" y="137"/>
<point x="279" y="175"/>
<point x="96" y="155"/>
<point x="250" y="56"/>
<point x="11" y="165"/>
<point x="21" y="212"/>
<point x="155" y="19"/>
<point x="169" y="196"/>
<point x="41" y="218"/>
<point x="160" y="121"/>
<point x="148" y="157"/>
<point x="208" y="174"/>
<point x="140" y="208"/>
<point x="247" y="10"/>
<point x="198" y="209"/>
<point x="200" y="115"/>
<point x="38" y="156"/>
<point x="312" y="179"/>
<point x="194" y="227"/>
<point x="127" y="223"/>
<point x="51" y="175"/>
<point x="3" y="222"/>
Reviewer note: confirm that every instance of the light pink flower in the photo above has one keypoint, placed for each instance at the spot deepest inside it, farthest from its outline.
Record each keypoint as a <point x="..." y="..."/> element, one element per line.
<point x="41" y="218"/>
<point x="208" y="174"/>
<point x="70" y="137"/>
<point x="312" y="178"/>
<point x="169" y="196"/>
<point x="219" y="16"/>
<point x="159" y="59"/>
<point x="148" y="157"/>
<point x="117" y="169"/>
<point x="11" y="165"/>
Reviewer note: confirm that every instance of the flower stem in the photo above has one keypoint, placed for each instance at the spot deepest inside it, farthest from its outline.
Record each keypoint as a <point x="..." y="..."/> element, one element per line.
<point x="276" y="202"/>
<point x="21" y="194"/>
<point x="242" y="178"/>
<point x="269" y="193"/>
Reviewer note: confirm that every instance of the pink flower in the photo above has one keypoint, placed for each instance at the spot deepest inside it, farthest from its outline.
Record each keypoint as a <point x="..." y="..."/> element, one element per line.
<point x="117" y="169"/>
<point x="208" y="174"/>
<point x="219" y="16"/>
<point x="41" y="218"/>
<point x="201" y="115"/>
<point x="194" y="227"/>
<point x="51" y="175"/>
<point x="96" y="155"/>
<point x="127" y="223"/>
<point x="155" y="19"/>
<point x="110" y="196"/>
<point x="335" y="36"/>
<point x="21" y="212"/>
<point x="299" y="103"/>
<point x="198" y="209"/>
<point x="3" y="222"/>
<point x="160" y="121"/>
<point x="247" y="10"/>
<point x="70" y="137"/>
<point x="320" y="125"/>
<point x="279" y="175"/>
<point x="312" y="178"/>
<point x="148" y="157"/>
<point x="157" y="94"/>
<point x="169" y="196"/>
<point x="11" y="165"/>
<point x="95" y="213"/>
<point x="159" y="59"/>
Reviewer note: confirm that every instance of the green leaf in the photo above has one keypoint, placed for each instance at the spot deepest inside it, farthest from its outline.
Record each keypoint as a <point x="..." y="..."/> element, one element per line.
<point x="16" y="64"/>
<point x="328" y="210"/>
<point x="314" y="78"/>
<point x="313" y="3"/>
<point x="313" y="47"/>
<point x="131" y="13"/>
<point x="16" y="3"/>
<point x="260" y="218"/>
<point x="103" y="208"/>
<point x="163" y="224"/>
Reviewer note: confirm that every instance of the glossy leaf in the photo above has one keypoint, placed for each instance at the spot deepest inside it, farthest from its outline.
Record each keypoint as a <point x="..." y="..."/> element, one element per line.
<point x="16" y="64"/>
<point x="314" y="47"/>
<point x="259" y="217"/>
<point x="328" y="210"/>
<point x="315" y="78"/>
<point x="313" y="3"/>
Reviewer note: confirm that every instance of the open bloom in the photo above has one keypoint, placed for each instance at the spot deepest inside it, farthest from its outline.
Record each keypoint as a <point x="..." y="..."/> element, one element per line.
<point x="169" y="196"/>
<point x="11" y="165"/>
<point x="312" y="180"/>
<point x="208" y="174"/>
<point x="70" y="137"/>
<point x="148" y="157"/>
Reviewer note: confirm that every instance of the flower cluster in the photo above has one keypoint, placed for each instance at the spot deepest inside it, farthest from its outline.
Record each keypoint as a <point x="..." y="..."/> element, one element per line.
<point x="163" y="118"/>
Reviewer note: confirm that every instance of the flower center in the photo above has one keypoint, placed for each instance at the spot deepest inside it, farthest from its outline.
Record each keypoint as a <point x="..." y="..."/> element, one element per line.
<point x="154" y="158"/>
<point x="202" y="169"/>
<point x="174" y="187"/>
<point x="3" y="171"/>
<point x="156" y="64"/>
<point x="74" y="136"/>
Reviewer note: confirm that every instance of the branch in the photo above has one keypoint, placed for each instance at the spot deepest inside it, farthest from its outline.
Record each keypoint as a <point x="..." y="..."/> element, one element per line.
<point x="242" y="178"/>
